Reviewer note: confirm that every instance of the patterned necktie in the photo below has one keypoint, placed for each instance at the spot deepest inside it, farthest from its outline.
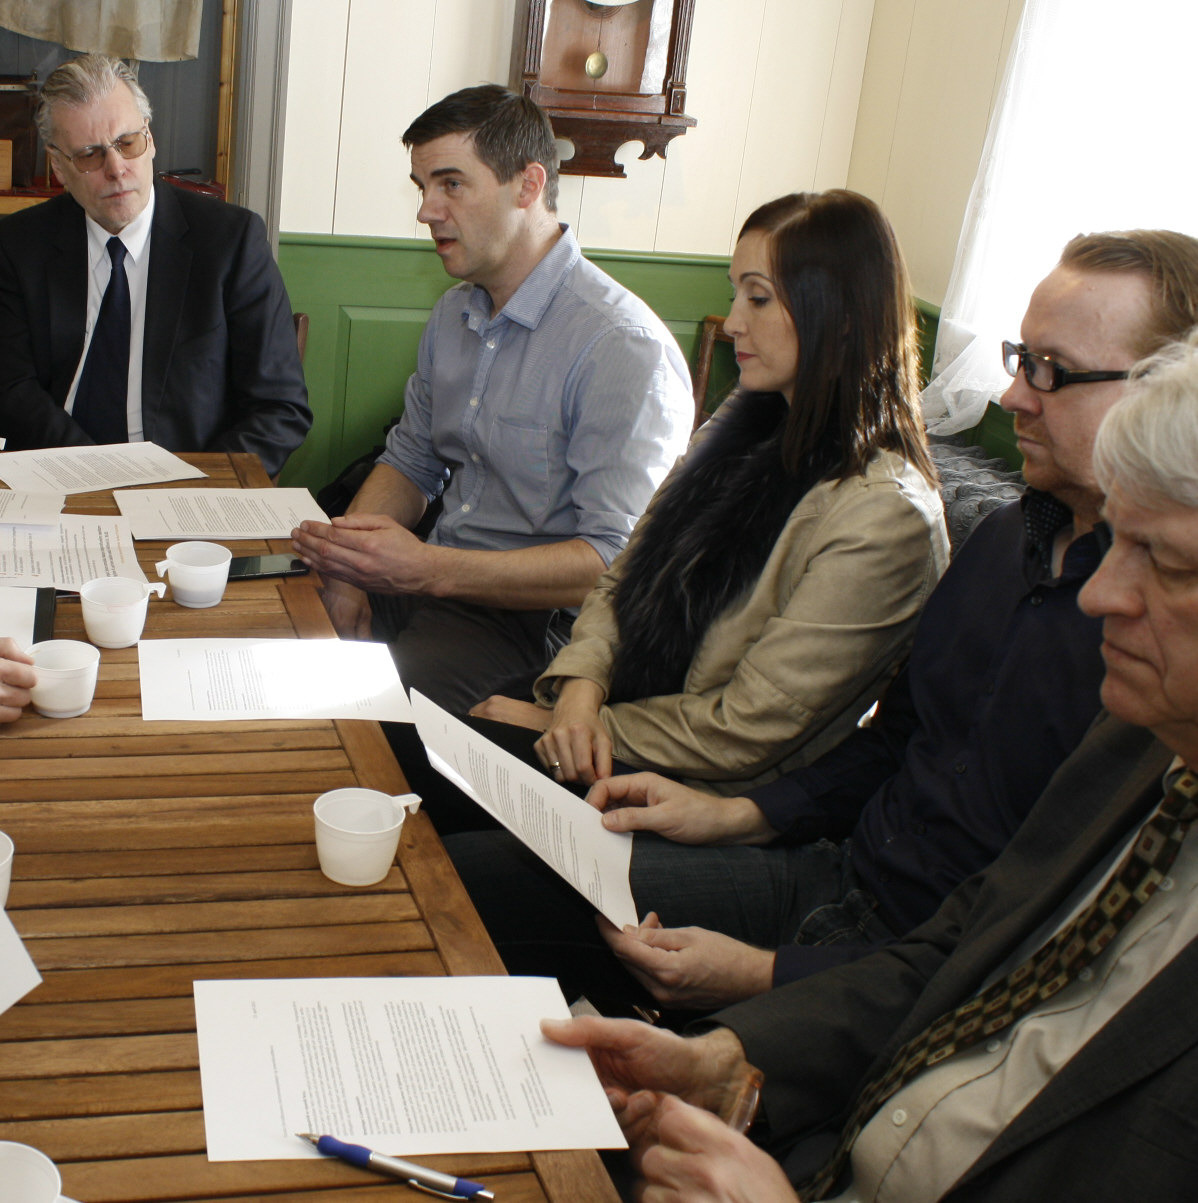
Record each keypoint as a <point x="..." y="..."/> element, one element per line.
<point x="102" y="398"/>
<point x="1053" y="966"/>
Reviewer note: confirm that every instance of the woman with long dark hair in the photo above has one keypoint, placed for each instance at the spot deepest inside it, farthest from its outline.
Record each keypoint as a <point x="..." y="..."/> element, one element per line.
<point x="766" y="596"/>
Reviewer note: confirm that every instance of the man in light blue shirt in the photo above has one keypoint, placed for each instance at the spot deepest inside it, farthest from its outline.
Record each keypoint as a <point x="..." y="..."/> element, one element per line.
<point x="547" y="405"/>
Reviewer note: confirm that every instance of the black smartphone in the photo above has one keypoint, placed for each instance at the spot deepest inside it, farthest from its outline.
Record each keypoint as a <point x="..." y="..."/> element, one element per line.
<point x="249" y="568"/>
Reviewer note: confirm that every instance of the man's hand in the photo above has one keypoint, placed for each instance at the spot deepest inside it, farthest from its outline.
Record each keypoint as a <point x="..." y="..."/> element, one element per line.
<point x="17" y="678"/>
<point x="689" y="966"/>
<point x="370" y="551"/>
<point x="629" y="1056"/>
<point x="576" y="745"/>
<point x="348" y="608"/>
<point x="649" y="802"/>
<point x="695" y="1158"/>
<point x="518" y="714"/>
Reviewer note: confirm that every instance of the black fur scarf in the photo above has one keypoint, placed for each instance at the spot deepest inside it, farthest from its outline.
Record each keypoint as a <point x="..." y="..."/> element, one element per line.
<point x="704" y="544"/>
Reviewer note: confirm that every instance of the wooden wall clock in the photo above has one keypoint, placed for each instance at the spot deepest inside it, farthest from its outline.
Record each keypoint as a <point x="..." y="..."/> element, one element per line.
<point x="607" y="72"/>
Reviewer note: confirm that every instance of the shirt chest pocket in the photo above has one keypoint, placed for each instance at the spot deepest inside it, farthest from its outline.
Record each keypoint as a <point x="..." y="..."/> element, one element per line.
<point x="519" y="458"/>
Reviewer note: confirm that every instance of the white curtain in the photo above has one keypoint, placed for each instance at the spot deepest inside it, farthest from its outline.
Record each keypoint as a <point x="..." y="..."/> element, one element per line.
<point x="154" y="30"/>
<point x="1093" y="130"/>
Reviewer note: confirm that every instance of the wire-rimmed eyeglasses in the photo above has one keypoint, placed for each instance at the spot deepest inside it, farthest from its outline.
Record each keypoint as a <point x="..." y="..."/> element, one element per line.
<point x="90" y="158"/>
<point x="1045" y="375"/>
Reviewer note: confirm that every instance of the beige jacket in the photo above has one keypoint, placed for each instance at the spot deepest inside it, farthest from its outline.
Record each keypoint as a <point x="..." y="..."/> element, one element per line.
<point x="785" y="673"/>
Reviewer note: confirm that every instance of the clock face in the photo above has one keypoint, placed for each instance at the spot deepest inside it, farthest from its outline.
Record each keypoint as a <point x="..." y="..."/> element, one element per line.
<point x="605" y="46"/>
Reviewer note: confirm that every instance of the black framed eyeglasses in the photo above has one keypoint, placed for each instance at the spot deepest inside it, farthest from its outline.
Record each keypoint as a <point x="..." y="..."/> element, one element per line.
<point x="91" y="158"/>
<point x="1043" y="374"/>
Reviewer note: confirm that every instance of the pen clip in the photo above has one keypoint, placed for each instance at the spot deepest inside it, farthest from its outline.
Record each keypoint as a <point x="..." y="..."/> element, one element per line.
<point x="432" y="1190"/>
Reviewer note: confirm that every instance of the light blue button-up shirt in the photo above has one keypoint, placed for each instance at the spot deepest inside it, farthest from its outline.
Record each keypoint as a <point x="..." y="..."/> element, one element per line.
<point x="554" y="419"/>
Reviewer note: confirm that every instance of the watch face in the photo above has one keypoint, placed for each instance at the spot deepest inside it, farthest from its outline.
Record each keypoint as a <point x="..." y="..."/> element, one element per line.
<point x="606" y="45"/>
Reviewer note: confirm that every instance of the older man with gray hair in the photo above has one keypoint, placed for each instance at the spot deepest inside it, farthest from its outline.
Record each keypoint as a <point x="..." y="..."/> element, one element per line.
<point x="133" y="310"/>
<point x="1037" y="1038"/>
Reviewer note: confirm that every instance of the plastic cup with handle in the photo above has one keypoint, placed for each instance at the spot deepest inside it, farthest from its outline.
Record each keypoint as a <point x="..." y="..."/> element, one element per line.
<point x="27" y="1175"/>
<point x="7" y="848"/>
<point x="114" y="609"/>
<point x="357" y="833"/>
<point x="197" y="571"/>
<point x="66" y="677"/>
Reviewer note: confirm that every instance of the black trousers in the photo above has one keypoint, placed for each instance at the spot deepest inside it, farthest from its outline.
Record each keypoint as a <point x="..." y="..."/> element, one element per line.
<point x="457" y="654"/>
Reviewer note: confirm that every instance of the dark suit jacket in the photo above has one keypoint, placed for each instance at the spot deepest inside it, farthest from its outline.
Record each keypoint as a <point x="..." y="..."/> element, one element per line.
<point x="1118" y="1122"/>
<point x="220" y="369"/>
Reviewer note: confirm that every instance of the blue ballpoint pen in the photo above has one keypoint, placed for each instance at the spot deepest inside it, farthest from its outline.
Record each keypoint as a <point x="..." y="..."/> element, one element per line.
<point x="445" y="1185"/>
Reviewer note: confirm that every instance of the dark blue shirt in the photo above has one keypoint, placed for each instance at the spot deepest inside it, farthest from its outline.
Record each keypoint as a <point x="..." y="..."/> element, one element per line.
<point x="1002" y="682"/>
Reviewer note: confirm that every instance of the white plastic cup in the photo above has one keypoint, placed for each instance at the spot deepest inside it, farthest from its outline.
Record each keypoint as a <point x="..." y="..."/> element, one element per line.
<point x="197" y="571"/>
<point x="66" y="677"/>
<point x="357" y="833"/>
<point x="114" y="609"/>
<point x="27" y="1175"/>
<point x="7" y="848"/>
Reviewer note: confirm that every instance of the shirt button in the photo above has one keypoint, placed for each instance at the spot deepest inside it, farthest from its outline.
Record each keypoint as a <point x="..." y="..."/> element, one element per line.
<point x="475" y="457"/>
<point x="992" y="1046"/>
<point x="1037" y="600"/>
<point x="490" y="344"/>
<point x="1085" y="975"/>
<point x="466" y="508"/>
<point x="959" y="767"/>
<point x="899" y="1117"/>
<point x="1166" y="884"/>
<point x="473" y="402"/>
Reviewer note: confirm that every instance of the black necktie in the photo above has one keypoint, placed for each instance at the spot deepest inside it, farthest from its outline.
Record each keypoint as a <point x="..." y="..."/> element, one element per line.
<point x="1052" y="967"/>
<point x="102" y="398"/>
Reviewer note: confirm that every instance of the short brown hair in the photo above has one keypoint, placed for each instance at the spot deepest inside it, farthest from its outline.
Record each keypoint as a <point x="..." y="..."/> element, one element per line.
<point x="1168" y="259"/>
<point x="509" y="132"/>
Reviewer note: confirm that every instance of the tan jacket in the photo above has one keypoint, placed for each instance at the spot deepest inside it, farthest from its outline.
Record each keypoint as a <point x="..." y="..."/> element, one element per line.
<point x="785" y="673"/>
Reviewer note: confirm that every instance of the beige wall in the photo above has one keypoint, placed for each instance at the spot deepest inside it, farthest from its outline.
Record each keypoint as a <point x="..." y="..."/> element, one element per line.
<point x="931" y="78"/>
<point x="887" y="96"/>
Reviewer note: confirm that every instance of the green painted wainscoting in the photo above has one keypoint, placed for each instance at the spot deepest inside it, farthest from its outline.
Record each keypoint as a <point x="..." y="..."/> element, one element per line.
<point x="367" y="301"/>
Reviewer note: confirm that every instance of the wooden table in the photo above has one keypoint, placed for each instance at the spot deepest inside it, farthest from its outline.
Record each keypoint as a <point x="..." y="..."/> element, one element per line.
<point x="153" y="853"/>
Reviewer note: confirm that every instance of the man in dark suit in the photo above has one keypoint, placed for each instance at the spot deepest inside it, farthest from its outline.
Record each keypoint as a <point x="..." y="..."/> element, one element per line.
<point x="133" y="310"/>
<point x="1087" y="1086"/>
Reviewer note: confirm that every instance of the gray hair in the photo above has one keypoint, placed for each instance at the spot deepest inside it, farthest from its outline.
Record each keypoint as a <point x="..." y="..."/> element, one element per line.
<point x="83" y="81"/>
<point x="1148" y="442"/>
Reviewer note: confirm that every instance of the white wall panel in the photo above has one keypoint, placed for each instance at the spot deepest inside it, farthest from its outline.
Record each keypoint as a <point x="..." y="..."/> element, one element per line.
<point x="311" y="147"/>
<point x="703" y="167"/>
<point x="387" y="69"/>
<point x="844" y="94"/>
<point x="930" y="82"/>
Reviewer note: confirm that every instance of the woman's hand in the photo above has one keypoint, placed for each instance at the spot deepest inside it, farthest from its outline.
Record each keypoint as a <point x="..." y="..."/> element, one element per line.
<point x="576" y="745"/>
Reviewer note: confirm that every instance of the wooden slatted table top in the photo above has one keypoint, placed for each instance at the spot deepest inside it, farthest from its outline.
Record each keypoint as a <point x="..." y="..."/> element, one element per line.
<point x="150" y="854"/>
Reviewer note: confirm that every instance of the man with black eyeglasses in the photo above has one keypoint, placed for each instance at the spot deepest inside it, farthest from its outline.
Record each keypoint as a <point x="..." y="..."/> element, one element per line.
<point x="132" y="310"/>
<point x="820" y="866"/>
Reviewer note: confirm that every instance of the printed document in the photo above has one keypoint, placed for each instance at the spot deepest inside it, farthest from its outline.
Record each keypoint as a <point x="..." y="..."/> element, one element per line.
<point x="217" y="513"/>
<point x="30" y="509"/>
<point x="217" y="680"/>
<point x="566" y="833"/>
<point x="403" y="1065"/>
<point x="85" y="469"/>
<point x="79" y="549"/>
<point x="18" y="973"/>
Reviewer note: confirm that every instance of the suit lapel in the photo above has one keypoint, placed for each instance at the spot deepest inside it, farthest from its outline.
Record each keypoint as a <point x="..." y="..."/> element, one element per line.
<point x="66" y="293"/>
<point x="166" y="287"/>
<point x="1088" y="809"/>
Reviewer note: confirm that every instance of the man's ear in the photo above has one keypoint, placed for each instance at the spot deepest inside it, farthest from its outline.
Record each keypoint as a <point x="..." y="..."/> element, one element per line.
<point x="532" y="184"/>
<point x="53" y="157"/>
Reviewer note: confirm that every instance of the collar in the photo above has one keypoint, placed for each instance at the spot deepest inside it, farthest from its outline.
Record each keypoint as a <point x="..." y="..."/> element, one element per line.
<point x="135" y="235"/>
<point x="527" y="305"/>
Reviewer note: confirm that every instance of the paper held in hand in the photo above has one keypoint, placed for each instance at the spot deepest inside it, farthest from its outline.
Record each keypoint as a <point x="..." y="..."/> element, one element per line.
<point x="566" y="833"/>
